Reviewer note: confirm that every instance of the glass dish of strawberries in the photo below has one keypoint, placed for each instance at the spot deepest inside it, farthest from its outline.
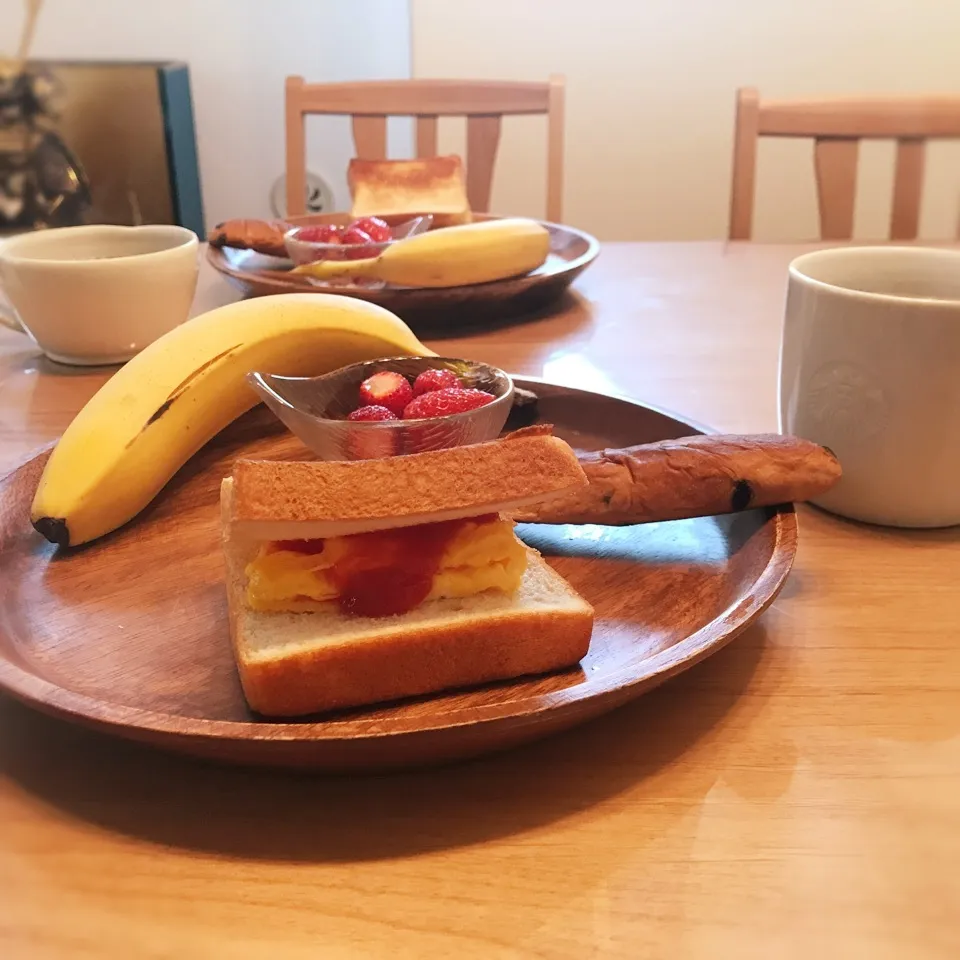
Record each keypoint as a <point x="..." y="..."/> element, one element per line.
<point x="423" y="410"/>
<point x="392" y="406"/>
<point x="360" y="239"/>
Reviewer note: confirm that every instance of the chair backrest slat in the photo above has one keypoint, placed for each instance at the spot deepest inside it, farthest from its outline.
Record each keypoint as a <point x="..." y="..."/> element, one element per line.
<point x="427" y="136"/>
<point x="483" y="139"/>
<point x="878" y="118"/>
<point x="370" y="136"/>
<point x="412" y="98"/>
<point x="836" y="165"/>
<point x="907" y="189"/>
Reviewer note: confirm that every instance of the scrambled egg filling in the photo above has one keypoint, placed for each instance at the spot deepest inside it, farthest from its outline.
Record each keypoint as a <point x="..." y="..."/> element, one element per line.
<point x="480" y="556"/>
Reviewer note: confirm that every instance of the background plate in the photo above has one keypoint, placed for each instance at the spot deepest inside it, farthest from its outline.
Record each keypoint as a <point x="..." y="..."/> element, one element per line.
<point x="571" y="251"/>
<point x="130" y="634"/>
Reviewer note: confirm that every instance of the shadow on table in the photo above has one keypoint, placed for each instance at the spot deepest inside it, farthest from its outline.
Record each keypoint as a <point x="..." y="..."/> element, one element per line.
<point x="568" y="309"/>
<point x="269" y="815"/>
<point x="32" y="360"/>
<point x="876" y="533"/>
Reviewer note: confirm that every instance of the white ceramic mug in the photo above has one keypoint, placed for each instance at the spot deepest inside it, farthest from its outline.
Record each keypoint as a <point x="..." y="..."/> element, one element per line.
<point x="99" y="294"/>
<point x="870" y="367"/>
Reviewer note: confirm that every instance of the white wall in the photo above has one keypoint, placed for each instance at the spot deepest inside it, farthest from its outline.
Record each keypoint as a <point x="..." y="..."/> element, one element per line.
<point x="239" y="52"/>
<point x="651" y="92"/>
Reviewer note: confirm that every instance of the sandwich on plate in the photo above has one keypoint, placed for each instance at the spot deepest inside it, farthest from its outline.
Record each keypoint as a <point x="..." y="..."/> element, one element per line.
<point x="355" y="582"/>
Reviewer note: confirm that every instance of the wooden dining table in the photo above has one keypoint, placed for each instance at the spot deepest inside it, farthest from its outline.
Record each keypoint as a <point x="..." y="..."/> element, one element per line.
<point x="796" y="795"/>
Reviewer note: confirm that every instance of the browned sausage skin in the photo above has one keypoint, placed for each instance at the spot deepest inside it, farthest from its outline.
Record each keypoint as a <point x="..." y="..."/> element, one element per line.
<point x="693" y="477"/>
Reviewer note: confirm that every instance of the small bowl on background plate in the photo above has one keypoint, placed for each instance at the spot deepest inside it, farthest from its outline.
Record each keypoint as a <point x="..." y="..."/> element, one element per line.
<point x="303" y="251"/>
<point x="316" y="409"/>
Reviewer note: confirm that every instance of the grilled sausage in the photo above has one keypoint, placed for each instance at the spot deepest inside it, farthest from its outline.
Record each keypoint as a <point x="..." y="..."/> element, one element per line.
<point x="692" y="477"/>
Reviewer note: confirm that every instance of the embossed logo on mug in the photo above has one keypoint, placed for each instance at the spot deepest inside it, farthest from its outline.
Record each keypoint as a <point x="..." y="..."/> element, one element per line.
<point x="843" y="397"/>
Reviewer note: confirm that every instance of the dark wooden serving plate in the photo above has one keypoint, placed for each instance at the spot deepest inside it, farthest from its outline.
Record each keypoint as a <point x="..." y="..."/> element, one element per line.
<point x="571" y="252"/>
<point x="130" y="634"/>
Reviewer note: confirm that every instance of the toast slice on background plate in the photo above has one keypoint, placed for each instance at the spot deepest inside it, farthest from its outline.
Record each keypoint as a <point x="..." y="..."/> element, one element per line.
<point x="437" y="185"/>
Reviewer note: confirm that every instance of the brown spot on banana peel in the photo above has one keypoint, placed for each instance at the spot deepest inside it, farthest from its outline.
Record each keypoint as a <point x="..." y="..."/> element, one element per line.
<point x="182" y="386"/>
<point x="160" y="411"/>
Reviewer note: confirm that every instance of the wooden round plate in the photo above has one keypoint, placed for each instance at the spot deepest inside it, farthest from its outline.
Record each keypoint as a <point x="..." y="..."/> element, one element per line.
<point x="571" y="252"/>
<point x="130" y="634"/>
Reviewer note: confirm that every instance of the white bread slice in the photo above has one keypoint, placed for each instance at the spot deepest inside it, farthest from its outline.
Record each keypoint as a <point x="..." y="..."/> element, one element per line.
<point x="434" y="185"/>
<point x="292" y="664"/>
<point x="317" y="499"/>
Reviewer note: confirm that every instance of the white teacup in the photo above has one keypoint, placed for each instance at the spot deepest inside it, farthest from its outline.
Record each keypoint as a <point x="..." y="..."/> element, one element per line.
<point x="99" y="294"/>
<point x="870" y="367"/>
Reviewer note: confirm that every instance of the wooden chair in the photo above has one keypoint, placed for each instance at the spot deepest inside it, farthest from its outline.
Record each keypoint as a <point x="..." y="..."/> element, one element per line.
<point x="837" y="127"/>
<point x="484" y="104"/>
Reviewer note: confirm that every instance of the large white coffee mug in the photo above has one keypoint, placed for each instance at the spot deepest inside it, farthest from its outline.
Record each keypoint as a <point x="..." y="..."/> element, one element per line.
<point x="99" y="294"/>
<point x="870" y="367"/>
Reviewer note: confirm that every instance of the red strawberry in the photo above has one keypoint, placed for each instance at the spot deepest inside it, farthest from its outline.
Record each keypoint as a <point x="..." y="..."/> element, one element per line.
<point x="370" y="443"/>
<point x="357" y="244"/>
<point x="386" y="389"/>
<point x="378" y="230"/>
<point x="436" y="379"/>
<point x="371" y="414"/>
<point x="319" y="233"/>
<point x="442" y="403"/>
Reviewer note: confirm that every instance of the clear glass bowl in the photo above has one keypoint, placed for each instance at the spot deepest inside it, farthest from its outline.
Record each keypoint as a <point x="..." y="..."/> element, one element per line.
<point x="315" y="409"/>
<point x="309" y="251"/>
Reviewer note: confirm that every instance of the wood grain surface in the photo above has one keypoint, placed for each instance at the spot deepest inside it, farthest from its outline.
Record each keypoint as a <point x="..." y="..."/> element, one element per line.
<point x="130" y="634"/>
<point x="794" y="795"/>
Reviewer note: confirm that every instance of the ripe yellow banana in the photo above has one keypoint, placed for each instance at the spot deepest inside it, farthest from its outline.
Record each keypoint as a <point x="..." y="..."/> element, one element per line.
<point x="169" y="400"/>
<point x="450" y="257"/>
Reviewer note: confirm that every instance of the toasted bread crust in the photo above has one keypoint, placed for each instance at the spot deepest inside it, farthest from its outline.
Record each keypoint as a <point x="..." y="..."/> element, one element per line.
<point x="477" y="478"/>
<point x="431" y="185"/>
<point x="400" y="662"/>
<point x="430" y="660"/>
